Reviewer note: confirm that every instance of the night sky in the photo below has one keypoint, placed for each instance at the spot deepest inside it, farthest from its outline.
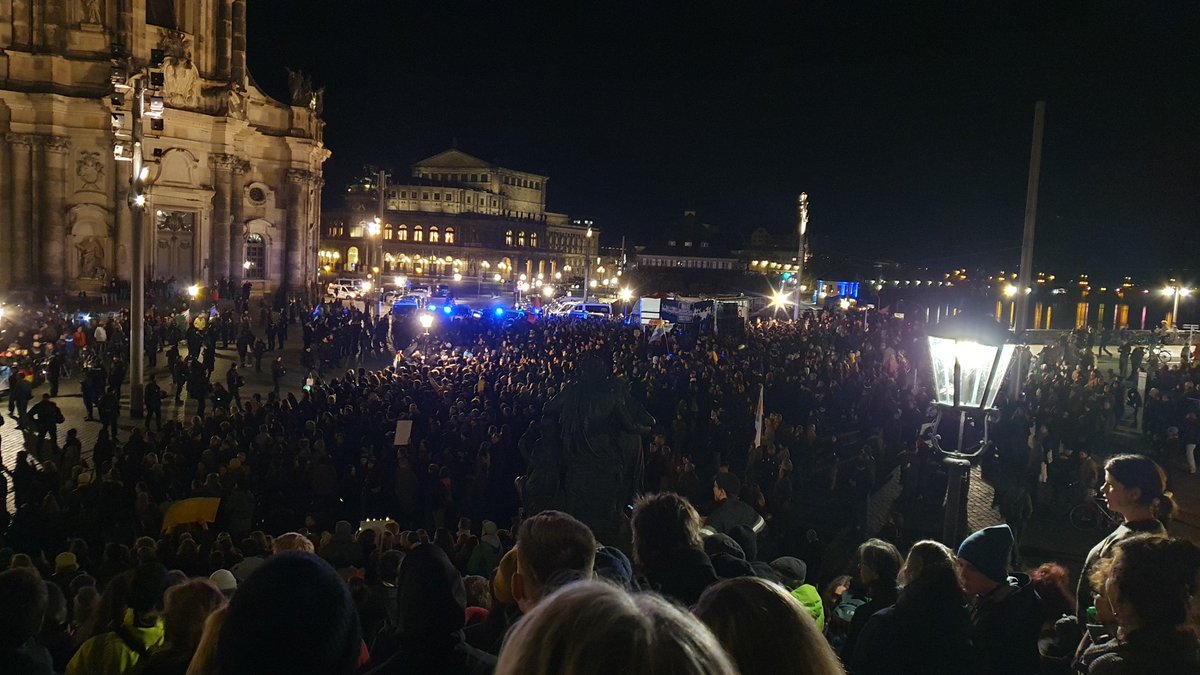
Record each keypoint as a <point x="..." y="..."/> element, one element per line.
<point x="909" y="125"/>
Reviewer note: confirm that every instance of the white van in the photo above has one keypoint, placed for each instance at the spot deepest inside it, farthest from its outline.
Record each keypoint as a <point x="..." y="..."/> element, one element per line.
<point x="346" y="289"/>
<point x="592" y="310"/>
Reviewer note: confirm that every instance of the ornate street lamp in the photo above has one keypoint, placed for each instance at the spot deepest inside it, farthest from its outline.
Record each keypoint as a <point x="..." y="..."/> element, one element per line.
<point x="969" y="361"/>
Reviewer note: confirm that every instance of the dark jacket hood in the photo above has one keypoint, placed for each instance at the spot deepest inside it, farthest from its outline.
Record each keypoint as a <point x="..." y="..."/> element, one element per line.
<point x="430" y="597"/>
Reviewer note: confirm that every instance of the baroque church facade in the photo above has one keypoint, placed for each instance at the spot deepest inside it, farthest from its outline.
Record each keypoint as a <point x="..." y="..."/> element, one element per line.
<point x="233" y="180"/>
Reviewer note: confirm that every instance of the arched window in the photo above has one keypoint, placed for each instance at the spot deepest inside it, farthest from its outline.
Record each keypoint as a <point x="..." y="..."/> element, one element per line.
<point x="402" y="233"/>
<point x="255" y="265"/>
<point x="352" y="258"/>
<point x="388" y="232"/>
<point x="449" y="235"/>
<point x="508" y="238"/>
<point x="533" y="239"/>
<point x="520" y="239"/>
<point x="418" y="233"/>
<point x="434" y="235"/>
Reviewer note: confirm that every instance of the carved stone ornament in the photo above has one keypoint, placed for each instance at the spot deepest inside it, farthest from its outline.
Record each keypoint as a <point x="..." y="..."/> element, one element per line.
<point x="89" y="168"/>
<point x="224" y="162"/>
<point x="300" y="176"/>
<point x="300" y="87"/>
<point x="27" y="140"/>
<point x="175" y="221"/>
<point x="91" y="11"/>
<point x="181" y="78"/>
<point x="235" y="103"/>
<point x="91" y="258"/>
<point x="56" y="143"/>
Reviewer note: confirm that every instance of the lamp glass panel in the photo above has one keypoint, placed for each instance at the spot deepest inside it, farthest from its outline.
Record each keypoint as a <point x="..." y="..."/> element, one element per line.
<point x="1006" y="355"/>
<point x="941" y="352"/>
<point x="975" y="362"/>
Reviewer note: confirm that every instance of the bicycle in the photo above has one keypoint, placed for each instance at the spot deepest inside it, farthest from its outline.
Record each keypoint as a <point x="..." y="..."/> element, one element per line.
<point x="1091" y="515"/>
<point x="1159" y="354"/>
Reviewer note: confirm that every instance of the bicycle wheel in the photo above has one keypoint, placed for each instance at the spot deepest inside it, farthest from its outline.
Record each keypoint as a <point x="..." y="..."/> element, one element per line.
<point x="1164" y="355"/>
<point x="1084" y="517"/>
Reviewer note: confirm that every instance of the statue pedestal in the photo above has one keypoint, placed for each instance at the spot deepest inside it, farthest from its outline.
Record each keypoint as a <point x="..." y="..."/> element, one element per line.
<point x="89" y="37"/>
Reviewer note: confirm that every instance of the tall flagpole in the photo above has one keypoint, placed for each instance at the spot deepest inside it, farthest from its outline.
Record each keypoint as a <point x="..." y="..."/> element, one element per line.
<point x="802" y="222"/>
<point x="1025" y="273"/>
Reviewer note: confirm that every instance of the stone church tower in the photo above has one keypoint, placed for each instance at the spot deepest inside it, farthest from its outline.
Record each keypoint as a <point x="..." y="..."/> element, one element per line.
<point x="234" y="177"/>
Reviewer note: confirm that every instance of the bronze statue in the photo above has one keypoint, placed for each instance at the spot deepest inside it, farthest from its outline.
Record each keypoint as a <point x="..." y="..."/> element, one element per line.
<point x="589" y="462"/>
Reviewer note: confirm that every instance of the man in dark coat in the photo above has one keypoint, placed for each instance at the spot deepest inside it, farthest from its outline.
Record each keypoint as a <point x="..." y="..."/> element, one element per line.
<point x="46" y="417"/>
<point x="731" y="511"/>
<point x="431" y="604"/>
<point x="1006" y="612"/>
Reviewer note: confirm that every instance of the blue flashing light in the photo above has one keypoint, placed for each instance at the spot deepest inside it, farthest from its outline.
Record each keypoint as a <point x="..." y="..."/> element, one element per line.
<point x="446" y="309"/>
<point x="499" y="311"/>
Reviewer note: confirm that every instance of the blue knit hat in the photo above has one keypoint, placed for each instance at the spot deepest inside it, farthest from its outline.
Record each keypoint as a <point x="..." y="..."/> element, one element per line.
<point x="987" y="551"/>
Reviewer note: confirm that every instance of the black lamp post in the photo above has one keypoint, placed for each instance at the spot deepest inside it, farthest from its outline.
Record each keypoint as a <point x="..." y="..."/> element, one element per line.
<point x="969" y="360"/>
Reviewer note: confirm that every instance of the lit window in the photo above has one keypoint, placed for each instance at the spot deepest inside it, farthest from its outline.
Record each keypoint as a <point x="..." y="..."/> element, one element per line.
<point x="520" y="239"/>
<point x="352" y="257"/>
<point x="388" y="232"/>
<point x="449" y="235"/>
<point x="256" y="255"/>
<point x="508" y="238"/>
<point x="402" y="233"/>
<point x="418" y="233"/>
<point x="356" y="231"/>
<point x="434" y="235"/>
<point x="533" y="239"/>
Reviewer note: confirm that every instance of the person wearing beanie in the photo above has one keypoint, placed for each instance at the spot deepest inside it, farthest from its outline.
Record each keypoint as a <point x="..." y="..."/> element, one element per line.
<point x="225" y="582"/>
<point x="293" y="615"/>
<point x="1006" y="613"/>
<point x="140" y="633"/>
<point x="730" y="510"/>
<point x="486" y="555"/>
<point x="793" y="573"/>
<point x="66" y="568"/>
<point x="431" y="604"/>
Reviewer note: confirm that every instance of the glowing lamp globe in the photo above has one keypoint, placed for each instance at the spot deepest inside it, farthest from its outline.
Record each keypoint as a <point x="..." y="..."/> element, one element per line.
<point x="969" y="359"/>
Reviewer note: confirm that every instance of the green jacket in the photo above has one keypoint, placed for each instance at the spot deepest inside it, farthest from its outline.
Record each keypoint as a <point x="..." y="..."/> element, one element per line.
<point x="808" y="596"/>
<point x="117" y="652"/>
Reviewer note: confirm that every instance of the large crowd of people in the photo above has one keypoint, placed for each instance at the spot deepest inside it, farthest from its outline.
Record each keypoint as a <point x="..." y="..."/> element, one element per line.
<point x="385" y="519"/>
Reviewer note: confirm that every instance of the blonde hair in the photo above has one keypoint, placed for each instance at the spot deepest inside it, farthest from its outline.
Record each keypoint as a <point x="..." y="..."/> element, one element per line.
<point x="204" y="662"/>
<point x="925" y="559"/>
<point x="292" y="541"/>
<point x="594" y="628"/>
<point x="765" y="629"/>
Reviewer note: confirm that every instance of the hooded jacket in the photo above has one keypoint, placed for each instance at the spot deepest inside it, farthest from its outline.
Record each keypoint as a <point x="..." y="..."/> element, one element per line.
<point x="1006" y="625"/>
<point x="924" y="633"/>
<point x="117" y="652"/>
<point x="681" y="575"/>
<point x="431" y="604"/>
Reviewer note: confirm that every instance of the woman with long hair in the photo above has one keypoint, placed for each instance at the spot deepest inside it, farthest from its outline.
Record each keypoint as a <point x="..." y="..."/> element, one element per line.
<point x="1135" y="489"/>
<point x="765" y="630"/>
<point x="187" y="607"/>
<point x="1150" y="587"/>
<point x="878" y="566"/>
<point x="927" y="631"/>
<point x="204" y="661"/>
